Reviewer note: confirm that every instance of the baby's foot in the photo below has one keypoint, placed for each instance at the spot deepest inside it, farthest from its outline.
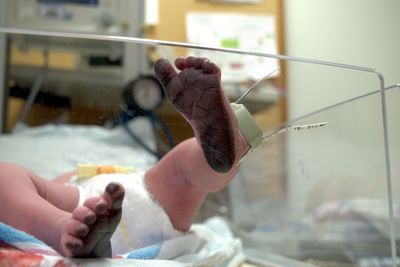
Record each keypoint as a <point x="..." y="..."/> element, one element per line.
<point x="87" y="233"/>
<point x="197" y="94"/>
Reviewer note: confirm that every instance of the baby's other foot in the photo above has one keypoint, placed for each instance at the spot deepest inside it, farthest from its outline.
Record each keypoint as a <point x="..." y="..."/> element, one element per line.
<point x="197" y="94"/>
<point x="88" y="231"/>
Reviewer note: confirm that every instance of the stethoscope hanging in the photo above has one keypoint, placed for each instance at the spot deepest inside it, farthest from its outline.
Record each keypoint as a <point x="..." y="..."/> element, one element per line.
<point x="141" y="97"/>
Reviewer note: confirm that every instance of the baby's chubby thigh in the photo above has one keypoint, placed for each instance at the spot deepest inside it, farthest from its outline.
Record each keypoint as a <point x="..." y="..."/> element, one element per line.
<point x="143" y="221"/>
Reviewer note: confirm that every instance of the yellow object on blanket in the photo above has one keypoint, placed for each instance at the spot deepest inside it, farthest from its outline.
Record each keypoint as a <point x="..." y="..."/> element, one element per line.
<point x="86" y="171"/>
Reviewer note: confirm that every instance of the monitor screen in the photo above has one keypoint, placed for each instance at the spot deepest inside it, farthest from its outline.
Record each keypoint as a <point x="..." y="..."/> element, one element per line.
<point x="78" y="2"/>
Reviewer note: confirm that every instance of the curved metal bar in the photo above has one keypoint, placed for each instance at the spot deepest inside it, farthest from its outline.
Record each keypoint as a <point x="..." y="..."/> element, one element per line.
<point x="255" y="85"/>
<point x="336" y="105"/>
<point x="136" y="40"/>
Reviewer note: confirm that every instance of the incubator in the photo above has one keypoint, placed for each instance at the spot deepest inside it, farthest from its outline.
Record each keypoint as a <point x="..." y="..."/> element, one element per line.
<point x="317" y="189"/>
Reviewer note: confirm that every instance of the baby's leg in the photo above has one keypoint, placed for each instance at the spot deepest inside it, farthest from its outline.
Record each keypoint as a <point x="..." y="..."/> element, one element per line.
<point x="182" y="179"/>
<point x="48" y="211"/>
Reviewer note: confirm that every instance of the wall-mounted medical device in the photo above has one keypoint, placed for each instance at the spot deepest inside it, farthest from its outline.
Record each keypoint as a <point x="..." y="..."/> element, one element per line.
<point x="108" y="17"/>
<point x="92" y="16"/>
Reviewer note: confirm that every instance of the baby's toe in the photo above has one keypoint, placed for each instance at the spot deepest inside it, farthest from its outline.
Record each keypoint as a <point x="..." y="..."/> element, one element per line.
<point x="77" y="228"/>
<point x="198" y="62"/>
<point x="114" y="194"/>
<point x="115" y="190"/>
<point x="84" y="214"/>
<point x="209" y="67"/>
<point x="190" y="61"/>
<point x="180" y="63"/>
<point x="164" y="70"/>
<point x="71" y="245"/>
<point x="97" y="204"/>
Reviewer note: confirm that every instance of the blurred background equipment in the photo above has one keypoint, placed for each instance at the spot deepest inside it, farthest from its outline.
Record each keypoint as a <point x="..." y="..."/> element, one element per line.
<point x="141" y="98"/>
<point x="82" y="68"/>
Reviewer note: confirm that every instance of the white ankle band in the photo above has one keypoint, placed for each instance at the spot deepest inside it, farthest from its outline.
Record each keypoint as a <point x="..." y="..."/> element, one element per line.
<point x="247" y="125"/>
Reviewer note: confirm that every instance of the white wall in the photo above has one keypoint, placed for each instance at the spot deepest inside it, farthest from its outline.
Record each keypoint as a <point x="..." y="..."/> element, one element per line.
<point x="357" y="32"/>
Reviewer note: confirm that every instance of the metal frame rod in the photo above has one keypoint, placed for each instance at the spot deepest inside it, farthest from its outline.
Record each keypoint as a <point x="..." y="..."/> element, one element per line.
<point x="136" y="40"/>
<point x="254" y="86"/>
<point x="34" y="91"/>
<point x="292" y="121"/>
<point x="388" y="172"/>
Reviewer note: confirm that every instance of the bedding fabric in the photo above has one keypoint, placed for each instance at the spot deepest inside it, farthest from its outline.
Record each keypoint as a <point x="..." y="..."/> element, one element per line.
<point x="52" y="150"/>
<point x="207" y="244"/>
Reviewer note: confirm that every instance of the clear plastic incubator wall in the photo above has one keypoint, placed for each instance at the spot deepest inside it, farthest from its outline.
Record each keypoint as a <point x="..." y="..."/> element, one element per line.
<point x="319" y="196"/>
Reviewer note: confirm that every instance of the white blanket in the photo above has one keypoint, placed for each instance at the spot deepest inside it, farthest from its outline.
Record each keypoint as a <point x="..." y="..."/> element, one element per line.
<point x="53" y="150"/>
